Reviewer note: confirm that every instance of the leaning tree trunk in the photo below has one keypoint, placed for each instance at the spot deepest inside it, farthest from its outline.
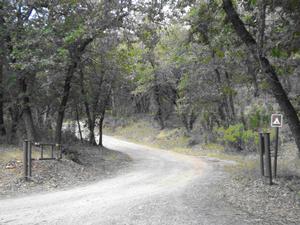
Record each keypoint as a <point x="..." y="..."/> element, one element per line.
<point x="271" y="75"/>
<point x="75" y="51"/>
<point x="64" y="101"/>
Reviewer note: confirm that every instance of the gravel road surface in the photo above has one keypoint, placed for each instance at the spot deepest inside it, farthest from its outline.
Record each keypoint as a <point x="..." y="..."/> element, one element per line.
<point x="159" y="188"/>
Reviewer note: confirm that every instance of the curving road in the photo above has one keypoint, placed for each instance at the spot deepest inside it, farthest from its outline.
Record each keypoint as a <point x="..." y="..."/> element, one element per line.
<point x="160" y="188"/>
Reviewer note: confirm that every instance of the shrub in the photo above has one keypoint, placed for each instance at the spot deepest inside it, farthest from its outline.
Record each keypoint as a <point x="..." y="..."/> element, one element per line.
<point x="235" y="137"/>
<point x="258" y="117"/>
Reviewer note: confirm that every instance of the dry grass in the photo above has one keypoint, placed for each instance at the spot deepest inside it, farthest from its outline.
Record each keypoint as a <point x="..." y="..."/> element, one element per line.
<point x="12" y="153"/>
<point x="9" y="153"/>
<point x="143" y="132"/>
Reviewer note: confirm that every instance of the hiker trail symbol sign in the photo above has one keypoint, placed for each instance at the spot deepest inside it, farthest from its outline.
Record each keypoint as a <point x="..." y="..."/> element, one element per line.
<point x="276" y="120"/>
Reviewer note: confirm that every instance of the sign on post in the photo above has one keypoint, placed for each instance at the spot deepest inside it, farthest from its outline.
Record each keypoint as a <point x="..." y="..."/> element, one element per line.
<point x="276" y="120"/>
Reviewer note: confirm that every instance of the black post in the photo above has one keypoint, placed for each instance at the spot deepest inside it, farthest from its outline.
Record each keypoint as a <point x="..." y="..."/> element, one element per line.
<point x="29" y="158"/>
<point x="60" y="152"/>
<point x="52" y="153"/>
<point x="42" y="151"/>
<point x="268" y="157"/>
<point x="261" y="153"/>
<point x="276" y="151"/>
<point x="25" y="159"/>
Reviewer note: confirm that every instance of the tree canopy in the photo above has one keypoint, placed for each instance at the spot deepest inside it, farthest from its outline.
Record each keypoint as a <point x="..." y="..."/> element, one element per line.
<point x="211" y="66"/>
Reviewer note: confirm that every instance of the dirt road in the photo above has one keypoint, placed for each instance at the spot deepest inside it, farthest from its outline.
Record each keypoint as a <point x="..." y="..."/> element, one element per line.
<point x="160" y="188"/>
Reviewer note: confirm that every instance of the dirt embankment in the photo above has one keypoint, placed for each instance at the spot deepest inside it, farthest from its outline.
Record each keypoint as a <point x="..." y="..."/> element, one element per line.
<point x="83" y="165"/>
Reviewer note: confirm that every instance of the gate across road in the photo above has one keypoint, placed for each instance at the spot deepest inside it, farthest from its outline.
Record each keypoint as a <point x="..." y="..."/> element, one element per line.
<point x="48" y="151"/>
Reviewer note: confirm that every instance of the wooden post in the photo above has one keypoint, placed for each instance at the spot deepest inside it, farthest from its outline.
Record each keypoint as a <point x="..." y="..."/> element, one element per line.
<point x="268" y="157"/>
<point x="29" y="158"/>
<point x="261" y="153"/>
<point x="276" y="151"/>
<point x="25" y="159"/>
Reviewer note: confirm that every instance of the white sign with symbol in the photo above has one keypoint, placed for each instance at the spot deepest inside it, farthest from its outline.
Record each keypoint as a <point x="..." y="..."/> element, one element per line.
<point x="276" y="120"/>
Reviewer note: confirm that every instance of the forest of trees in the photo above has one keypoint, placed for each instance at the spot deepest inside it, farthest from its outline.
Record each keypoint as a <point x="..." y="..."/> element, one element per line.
<point x="220" y="64"/>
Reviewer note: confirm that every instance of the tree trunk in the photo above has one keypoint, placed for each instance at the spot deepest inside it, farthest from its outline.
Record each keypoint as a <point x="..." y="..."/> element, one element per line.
<point x="91" y="121"/>
<point x="230" y="96"/>
<point x="14" y="114"/>
<point x="75" y="51"/>
<point x="271" y="75"/>
<point x="2" y="55"/>
<point x="2" y="127"/>
<point x="262" y="25"/>
<point x="64" y="101"/>
<point x="101" y="130"/>
<point x="223" y="105"/>
<point x="253" y="73"/>
<point x="26" y="111"/>
<point x="192" y="120"/>
<point x="159" y="115"/>
<point x="156" y="91"/>
<point x="78" y="124"/>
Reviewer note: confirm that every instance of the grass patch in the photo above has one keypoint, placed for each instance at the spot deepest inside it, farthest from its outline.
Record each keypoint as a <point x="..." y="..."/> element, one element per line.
<point x="213" y="146"/>
<point x="13" y="153"/>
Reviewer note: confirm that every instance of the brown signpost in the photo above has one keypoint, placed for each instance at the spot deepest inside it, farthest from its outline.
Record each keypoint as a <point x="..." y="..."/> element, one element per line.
<point x="268" y="162"/>
<point x="265" y="149"/>
<point x="276" y="122"/>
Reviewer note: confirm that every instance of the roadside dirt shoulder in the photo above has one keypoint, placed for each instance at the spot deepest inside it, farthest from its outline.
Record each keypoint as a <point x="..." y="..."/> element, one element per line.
<point x="83" y="165"/>
<point x="278" y="204"/>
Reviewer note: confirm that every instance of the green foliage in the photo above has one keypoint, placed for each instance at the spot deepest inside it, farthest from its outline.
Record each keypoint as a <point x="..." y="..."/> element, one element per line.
<point x="183" y="83"/>
<point x="235" y="137"/>
<point x="253" y="2"/>
<point x="258" y="117"/>
<point x="74" y="35"/>
<point x="62" y="52"/>
<point x="220" y="53"/>
<point x="279" y="53"/>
